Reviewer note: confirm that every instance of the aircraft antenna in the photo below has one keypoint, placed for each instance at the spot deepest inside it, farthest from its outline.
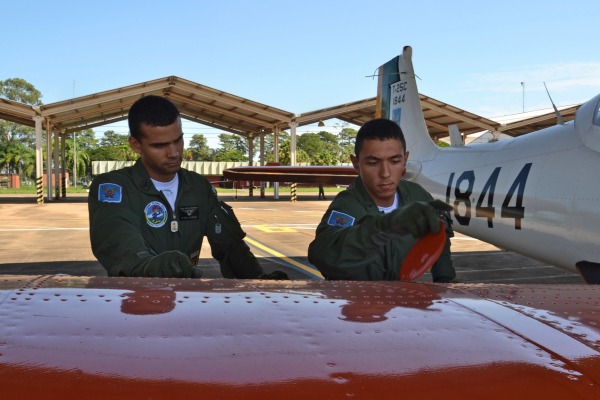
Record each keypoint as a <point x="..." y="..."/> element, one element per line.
<point x="559" y="118"/>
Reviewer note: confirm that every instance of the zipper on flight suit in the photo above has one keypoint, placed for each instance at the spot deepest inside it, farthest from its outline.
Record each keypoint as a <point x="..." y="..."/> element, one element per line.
<point x="174" y="221"/>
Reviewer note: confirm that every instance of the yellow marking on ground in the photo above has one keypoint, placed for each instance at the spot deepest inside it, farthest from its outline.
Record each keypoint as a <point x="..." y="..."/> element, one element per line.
<point x="275" y="253"/>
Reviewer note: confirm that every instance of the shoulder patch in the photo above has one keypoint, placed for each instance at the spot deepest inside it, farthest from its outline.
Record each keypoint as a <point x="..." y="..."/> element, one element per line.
<point x="110" y="193"/>
<point x="337" y="218"/>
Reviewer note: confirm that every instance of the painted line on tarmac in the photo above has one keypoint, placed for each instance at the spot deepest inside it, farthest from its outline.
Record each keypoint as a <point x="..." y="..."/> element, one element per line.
<point x="277" y="228"/>
<point x="297" y="264"/>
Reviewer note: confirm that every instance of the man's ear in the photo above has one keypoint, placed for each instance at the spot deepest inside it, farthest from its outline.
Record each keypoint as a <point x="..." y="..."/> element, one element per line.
<point x="135" y="145"/>
<point x="354" y="160"/>
<point x="405" y="161"/>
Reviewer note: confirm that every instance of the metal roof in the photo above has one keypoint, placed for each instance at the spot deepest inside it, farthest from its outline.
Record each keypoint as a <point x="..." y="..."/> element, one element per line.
<point x="536" y="123"/>
<point x="16" y="112"/>
<point x="234" y="114"/>
<point x="195" y="102"/>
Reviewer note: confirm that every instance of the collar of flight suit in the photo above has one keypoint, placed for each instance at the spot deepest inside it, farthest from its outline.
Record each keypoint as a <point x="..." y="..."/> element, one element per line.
<point x="143" y="181"/>
<point x="359" y="187"/>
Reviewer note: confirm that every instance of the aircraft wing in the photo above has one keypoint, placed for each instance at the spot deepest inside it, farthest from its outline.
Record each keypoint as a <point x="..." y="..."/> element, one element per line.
<point x="84" y="337"/>
<point x="329" y="175"/>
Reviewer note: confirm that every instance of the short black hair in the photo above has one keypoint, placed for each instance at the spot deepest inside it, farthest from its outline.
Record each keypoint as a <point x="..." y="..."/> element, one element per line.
<point x="380" y="129"/>
<point x="151" y="110"/>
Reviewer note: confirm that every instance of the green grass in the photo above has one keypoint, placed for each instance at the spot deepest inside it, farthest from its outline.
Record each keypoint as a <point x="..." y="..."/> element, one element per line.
<point x="32" y="190"/>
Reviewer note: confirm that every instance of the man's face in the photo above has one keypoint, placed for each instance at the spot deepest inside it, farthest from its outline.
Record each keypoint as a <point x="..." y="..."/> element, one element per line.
<point x="160" y="148"/>
<point x="381" y="164"/>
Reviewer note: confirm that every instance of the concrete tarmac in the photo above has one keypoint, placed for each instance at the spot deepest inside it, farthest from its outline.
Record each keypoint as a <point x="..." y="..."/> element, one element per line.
<point x="53" y="238"/>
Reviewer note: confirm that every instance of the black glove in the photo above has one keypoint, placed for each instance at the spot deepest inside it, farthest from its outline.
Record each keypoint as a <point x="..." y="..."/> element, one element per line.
<point x="418" y="218"/>
<point x="275" y="276"/>
<point x="170" y="264"/>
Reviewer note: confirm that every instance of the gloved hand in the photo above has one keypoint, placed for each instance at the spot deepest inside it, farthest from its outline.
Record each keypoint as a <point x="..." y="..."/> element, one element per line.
<point x="418" y="218"/>
<point x="275" y="276"/>
<point x="170" y="264"/>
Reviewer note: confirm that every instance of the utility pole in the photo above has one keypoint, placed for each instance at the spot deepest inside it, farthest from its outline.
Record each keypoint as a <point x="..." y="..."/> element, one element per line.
<point x="523" y="87"/>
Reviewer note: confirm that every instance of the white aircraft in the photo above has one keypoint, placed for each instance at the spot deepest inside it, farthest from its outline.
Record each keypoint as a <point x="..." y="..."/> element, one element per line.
<point x="536" y="194"/>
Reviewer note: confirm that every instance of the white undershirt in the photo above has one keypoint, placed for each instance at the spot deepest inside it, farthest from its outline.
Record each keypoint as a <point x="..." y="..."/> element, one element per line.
<point x="169" y="189"/>
<point x="387" y="210"/>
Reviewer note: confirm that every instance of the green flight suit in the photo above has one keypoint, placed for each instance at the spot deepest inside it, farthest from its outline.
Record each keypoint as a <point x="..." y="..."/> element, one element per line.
<point x="130" y="220"/>
<point x="348" y="246"/>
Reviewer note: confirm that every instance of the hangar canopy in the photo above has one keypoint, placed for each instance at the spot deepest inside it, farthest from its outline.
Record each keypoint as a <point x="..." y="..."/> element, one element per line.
<point x="226" y="112"/>
<point x="234" y="114"/>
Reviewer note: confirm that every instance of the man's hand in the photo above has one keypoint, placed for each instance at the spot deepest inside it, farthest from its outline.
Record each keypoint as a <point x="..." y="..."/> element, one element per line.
<point x="418" y="218"/>
<point x="170" y="264"/>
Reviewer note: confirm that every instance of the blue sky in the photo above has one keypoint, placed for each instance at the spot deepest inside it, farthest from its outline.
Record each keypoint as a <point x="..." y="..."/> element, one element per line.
<point x="301" y="56"/>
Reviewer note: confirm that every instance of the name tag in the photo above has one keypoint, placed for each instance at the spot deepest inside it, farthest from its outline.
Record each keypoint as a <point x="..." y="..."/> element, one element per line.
<point x="187" y="213"/>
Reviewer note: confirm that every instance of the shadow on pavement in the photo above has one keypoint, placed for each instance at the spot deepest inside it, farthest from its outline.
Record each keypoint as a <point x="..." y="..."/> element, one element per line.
<point x="75" y="268"/>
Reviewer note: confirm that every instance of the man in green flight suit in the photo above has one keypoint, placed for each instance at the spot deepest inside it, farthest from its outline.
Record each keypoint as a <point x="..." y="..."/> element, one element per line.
<point x="369" y="228"/>
<point x="150" y="219"/>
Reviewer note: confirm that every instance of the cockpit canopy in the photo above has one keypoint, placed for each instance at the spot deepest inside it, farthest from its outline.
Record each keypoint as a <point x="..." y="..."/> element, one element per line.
<point x="587" y="123"/>
<point x="597" y="114"/>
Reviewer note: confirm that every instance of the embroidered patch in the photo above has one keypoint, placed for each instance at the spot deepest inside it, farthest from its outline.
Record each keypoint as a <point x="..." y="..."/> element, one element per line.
<point x="156" y="214"/>
<point x="187" y="213"/>
<point x="337" y="218"/>
<point x="110" y="193"/>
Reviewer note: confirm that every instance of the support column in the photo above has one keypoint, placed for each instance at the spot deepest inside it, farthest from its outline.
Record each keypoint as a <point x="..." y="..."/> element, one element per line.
<point x="56" y="164"/>
<point x="74" y="160"/>
<point x="63" y="166"/>
<point x="39" y="159"/>
<point x="276" y="159"/>
<point x="293" y="126"/>
<point x="49" y="185"/>
<point x="251" y="162"/>
<point x="261" y="145"/>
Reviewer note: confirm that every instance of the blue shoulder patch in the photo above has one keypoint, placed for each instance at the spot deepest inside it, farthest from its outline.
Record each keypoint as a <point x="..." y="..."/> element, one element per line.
<point x="110" y="193"/>
<point x="337" y="218"/>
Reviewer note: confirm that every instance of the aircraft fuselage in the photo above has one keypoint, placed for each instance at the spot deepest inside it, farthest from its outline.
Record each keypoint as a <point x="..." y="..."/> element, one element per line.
<point x="533" y="194"/>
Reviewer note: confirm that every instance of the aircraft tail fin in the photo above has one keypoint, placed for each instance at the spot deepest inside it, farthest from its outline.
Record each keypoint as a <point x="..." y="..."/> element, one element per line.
<point x="404" y="107"/>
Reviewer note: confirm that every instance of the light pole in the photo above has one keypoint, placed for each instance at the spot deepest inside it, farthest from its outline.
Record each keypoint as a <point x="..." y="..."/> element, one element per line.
<point x="523" y="87"/>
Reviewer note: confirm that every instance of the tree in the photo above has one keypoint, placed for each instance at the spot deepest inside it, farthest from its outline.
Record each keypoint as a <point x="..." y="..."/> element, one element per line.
<point x="285" y="154"/>
<point x="199" y="149"/>
<point x="322" y="147"/>
<point x="233" y="142"/>
<point x="270" y="146"/>
<point x="85" y="144"/>
<point x="113" y="147"/>
<point x="22" y="138"/>
<point x="86" y="139"/>
<point x="232" y="148"/>
<point x="346" y="140"/>
<point x="229" y="155"/>
<point x="17" y="89"/>
<point x="17" y="158"/>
